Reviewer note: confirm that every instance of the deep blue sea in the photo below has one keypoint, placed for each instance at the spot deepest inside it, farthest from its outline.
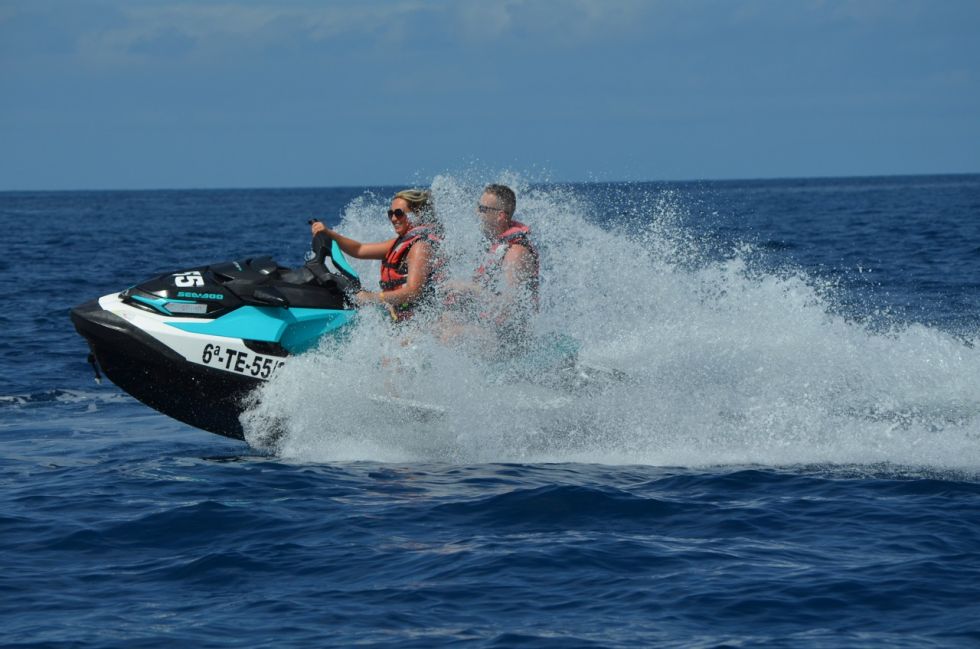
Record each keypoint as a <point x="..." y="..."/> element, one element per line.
<point x="793" y="462"/>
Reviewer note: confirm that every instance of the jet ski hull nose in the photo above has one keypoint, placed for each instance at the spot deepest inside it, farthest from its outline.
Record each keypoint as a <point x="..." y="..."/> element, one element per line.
<point x="160" y="377"/>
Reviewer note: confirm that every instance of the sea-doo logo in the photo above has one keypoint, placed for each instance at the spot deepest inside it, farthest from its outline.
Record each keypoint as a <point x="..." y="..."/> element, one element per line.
<point x="200" y="296"/>
<point x="189" y="279"/>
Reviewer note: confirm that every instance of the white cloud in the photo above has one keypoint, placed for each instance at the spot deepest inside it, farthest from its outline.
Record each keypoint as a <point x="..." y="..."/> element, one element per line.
<point x="229" y="28"/>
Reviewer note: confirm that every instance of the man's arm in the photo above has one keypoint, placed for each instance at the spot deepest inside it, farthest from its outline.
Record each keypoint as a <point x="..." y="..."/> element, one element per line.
<point x="519" y="269"/>
<point x="519" y="266"/>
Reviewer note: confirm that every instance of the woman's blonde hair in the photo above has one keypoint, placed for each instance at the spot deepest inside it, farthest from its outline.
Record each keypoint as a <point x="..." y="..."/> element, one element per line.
<point x="420" y="202"/>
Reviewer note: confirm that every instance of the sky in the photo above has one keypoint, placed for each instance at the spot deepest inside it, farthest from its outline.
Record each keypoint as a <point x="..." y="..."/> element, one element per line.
<point x="144" y="94"/>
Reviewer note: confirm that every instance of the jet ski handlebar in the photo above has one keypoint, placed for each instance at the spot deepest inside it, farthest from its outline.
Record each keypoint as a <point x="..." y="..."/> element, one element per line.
<point x="323" y="246"/>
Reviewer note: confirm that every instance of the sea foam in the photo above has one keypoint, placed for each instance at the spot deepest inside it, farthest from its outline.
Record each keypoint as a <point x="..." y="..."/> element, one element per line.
<point x="727" y="362"/>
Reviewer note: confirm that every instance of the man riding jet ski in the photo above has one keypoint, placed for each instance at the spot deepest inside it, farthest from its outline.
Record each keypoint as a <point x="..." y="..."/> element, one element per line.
<point x="193" y="343"/>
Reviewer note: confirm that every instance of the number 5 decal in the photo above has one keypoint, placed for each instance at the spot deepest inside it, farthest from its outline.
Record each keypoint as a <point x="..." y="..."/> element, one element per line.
<point x="188" y="279"/>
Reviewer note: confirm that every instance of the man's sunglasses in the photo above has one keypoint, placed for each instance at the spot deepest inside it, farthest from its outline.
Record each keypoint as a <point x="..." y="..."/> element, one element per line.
<point x="399" y="213"/>
<point x="487" y="209"/>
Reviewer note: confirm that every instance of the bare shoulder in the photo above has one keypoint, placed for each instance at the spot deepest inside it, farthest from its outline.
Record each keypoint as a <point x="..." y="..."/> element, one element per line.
<point x="518" y="255"/>
<point x="420" y="249"/>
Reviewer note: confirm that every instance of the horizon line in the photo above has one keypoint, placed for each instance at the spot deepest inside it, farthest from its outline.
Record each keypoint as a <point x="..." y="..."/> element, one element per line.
<point x="557" y="182"/>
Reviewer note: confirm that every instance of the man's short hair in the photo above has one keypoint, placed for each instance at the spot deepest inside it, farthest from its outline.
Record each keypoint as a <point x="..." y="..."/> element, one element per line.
<point x="504" y="194"/>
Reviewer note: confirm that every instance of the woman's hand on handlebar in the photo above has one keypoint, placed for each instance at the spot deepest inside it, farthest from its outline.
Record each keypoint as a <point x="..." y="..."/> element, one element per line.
<point x="316" y="227"/>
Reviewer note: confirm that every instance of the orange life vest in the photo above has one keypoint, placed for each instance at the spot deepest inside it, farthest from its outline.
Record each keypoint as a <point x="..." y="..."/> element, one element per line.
<point x="517" y="234"/>
<point x="394" y="266"/>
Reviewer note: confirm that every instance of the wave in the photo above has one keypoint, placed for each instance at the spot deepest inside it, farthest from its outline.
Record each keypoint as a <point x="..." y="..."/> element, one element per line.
<point x="729" y="363"/>
<point x="59" y="396"/>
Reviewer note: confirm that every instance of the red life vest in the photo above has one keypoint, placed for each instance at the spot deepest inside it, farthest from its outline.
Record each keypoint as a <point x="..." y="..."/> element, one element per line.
<point x="489" y="271"/>
<point x="394" y="266"/>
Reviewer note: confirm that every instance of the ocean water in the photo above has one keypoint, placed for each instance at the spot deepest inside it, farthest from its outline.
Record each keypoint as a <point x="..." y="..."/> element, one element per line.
<point x="793" y="460"/>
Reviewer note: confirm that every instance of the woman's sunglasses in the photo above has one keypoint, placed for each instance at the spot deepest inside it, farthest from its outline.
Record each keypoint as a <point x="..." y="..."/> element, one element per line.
<point x="399" y="213"/>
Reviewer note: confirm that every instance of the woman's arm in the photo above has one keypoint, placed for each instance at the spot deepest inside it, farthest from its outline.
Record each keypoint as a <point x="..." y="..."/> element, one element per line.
<point x="419" y="262"/>
<point x="352" y="247"/>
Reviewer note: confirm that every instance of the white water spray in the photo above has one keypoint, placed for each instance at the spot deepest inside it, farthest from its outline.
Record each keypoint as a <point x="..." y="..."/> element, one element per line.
<point x="726" y="364"/>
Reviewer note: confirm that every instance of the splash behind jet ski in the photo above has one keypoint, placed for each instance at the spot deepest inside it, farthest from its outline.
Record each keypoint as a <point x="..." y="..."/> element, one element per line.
<point x="194" y="342"/>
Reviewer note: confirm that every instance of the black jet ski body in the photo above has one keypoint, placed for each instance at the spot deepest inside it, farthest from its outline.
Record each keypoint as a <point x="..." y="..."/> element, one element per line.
<point x="193" y="343"/>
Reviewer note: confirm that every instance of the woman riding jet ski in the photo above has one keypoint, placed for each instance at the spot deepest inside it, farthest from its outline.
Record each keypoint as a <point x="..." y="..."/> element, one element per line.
<point x="193" y="343"/>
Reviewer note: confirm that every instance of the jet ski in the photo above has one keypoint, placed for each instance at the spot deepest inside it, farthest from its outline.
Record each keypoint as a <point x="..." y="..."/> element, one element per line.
<point x="193" y="343"/>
